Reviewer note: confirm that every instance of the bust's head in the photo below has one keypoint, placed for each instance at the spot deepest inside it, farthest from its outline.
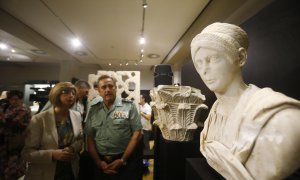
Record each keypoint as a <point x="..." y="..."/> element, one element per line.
<point x="218" y="54"/>
<point x="224" y="37"/>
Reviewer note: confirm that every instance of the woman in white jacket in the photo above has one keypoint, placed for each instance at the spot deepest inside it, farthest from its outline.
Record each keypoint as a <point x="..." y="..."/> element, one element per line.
<point x="54" y="138"/>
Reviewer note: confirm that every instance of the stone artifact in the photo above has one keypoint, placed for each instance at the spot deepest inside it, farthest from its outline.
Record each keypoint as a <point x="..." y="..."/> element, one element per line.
<point x="250" y="133"/>
<point x="175" y="108"/>
<point x="128" y="84"/>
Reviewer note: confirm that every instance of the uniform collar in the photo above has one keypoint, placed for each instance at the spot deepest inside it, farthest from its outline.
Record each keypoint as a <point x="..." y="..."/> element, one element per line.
<point x="118" y="102"/>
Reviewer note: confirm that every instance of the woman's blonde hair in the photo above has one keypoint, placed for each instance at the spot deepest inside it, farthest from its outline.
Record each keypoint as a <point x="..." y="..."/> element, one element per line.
<point x="57" y="90"/>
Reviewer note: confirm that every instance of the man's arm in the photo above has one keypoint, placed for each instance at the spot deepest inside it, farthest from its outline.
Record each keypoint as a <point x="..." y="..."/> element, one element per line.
<point x="92" y="149"/>
<point x="146" y="116"/>
<point x="147" y="112"/>
<point x="135" y="138"/>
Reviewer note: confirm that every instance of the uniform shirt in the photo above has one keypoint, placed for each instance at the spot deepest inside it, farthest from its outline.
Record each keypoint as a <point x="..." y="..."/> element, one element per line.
<point x="146" y="109"/>
<point x="112" y="129"/>
<point x="79" y="107"/>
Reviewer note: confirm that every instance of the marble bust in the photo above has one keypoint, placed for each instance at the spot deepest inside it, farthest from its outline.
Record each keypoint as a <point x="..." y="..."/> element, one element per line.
<point x="250" y="132"/>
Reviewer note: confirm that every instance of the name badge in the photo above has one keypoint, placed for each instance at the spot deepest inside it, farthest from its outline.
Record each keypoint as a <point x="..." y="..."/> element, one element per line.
<point x="121" y="114"/>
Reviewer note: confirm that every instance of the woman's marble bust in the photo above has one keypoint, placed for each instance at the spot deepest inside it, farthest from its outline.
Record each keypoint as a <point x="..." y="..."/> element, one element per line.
<point x="250" y="133"/>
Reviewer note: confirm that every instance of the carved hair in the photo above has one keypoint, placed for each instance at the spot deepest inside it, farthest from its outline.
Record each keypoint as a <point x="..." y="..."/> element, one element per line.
<point x="221" y="37"/>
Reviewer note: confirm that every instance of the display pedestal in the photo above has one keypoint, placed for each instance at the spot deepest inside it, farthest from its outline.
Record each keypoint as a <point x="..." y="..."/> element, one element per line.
<point x="198" y="168"/>
<point x="169" y="156"/>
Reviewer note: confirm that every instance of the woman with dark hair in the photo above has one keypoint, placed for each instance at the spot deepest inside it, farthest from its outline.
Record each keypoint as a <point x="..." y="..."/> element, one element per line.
<point x="54" y="138"/>
<point x="14" y="118"/>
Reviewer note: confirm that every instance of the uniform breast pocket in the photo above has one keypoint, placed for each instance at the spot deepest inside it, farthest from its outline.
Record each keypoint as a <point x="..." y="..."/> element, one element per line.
<point x="120" y="123"/>
<point x="95" y="122"/>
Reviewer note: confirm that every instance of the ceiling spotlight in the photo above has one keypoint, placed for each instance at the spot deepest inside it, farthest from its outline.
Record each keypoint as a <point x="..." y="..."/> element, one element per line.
<point x="3" y="46"/>
<point x="120" y="64"/>
<point x="76" y="42"/>
<point x="144" y="4"/>
<point x="142" y="50"/>
<point x="12" y="50"/>
<point x="141" y="60"/>
<point x="142" y="40"/>
<point x="126" y="63"/>
<point x="109" y="64"/>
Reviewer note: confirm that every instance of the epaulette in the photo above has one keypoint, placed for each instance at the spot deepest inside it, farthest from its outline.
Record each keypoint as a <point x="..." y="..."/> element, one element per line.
<point x="127" y="100"/>
<point x="96" y="101"/>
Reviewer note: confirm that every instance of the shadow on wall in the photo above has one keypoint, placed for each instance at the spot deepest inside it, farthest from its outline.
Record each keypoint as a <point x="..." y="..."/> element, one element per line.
<point x="273" y="55"/>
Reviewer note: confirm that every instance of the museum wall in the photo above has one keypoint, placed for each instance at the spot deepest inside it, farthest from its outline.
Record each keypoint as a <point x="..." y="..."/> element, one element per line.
<point x="274" y="53"/>
<point x="14" y="75"/>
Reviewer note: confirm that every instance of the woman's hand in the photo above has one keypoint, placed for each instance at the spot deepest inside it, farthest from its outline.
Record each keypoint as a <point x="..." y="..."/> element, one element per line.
<point x="62" y="155"/>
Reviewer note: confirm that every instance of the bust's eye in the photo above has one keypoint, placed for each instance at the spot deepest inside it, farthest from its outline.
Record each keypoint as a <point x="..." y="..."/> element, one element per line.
<point x="199" y="61"/>
<point x="214" y="59"/>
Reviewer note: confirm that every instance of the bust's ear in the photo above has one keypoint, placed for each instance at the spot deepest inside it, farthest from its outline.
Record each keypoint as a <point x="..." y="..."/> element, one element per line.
<point x="242" y="56"/>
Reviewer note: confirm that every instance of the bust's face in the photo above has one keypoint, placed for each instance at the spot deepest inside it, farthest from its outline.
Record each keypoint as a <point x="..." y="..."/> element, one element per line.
<point x="216" y="69"/>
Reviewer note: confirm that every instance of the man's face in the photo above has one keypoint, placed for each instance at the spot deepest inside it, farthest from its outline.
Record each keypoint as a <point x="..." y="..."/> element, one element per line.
<point x="107" y="90"/>
<point x="216" y="69"/>
<point x="15" y="101"/>
<point x="142" y="100"/>
<point x="82" y="91"/>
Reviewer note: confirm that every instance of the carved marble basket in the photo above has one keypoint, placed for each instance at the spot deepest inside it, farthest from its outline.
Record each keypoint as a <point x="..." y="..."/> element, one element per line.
<point x="175" y="109"/>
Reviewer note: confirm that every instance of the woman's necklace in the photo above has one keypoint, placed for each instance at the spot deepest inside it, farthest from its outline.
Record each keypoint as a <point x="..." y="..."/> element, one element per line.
<point x="61" y="117"/>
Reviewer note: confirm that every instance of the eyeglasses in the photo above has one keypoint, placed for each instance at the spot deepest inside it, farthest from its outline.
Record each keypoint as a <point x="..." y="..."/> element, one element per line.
<point x="70" y="92"/>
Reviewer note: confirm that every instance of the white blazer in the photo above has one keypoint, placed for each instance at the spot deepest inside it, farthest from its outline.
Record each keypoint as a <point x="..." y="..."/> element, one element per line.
<point x="42" y="139"/>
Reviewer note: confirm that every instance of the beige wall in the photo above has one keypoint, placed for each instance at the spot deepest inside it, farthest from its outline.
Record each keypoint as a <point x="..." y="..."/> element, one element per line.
<point x="14" y="76"/>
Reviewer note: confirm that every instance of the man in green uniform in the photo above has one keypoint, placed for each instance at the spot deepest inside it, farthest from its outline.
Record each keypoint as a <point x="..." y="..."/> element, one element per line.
<point x="113" y="130"/>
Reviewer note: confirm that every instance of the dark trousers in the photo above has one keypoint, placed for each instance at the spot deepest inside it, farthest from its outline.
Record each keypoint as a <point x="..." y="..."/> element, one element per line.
<point x="146" y="139"/>
<point x="86" y="166"/>
<point x="129" y="171"/>
<point x="133" y="170"/>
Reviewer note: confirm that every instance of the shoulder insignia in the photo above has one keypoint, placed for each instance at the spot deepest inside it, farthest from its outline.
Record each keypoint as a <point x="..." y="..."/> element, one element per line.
<point x="96" y="101"/>
<point x="96" y="104"/>
<point x="127" y="100"/>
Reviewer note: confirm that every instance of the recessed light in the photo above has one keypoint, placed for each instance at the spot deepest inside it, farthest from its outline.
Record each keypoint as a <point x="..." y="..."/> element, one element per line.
<point x="38" y="51"/>
<point x="153" y="56"/>
<point x="76" y="42"/>
<point x="80" y="53"/>
<point x="3" y="46"/>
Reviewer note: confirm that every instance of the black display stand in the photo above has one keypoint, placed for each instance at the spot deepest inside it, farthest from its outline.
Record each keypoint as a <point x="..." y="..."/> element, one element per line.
<point x="198" y="168"/>
<point x="169" y="156"/>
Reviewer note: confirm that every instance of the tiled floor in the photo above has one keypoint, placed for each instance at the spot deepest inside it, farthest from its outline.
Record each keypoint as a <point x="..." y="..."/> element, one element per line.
<point x="151" y="165"/>
<point x="150" y="175"/>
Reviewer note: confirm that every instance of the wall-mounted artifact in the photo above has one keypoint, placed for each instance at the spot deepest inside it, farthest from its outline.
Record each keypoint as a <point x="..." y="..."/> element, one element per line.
<point x="128" y="84"/>
<point x="175" y="110"/>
